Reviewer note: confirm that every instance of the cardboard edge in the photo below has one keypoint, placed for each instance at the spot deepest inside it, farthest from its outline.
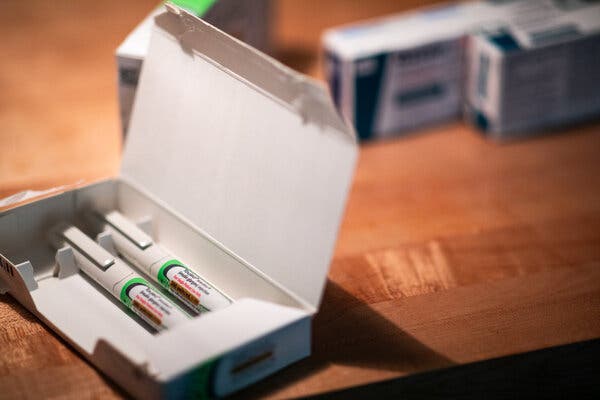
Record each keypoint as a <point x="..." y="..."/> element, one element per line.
<point x="309" y="97"/>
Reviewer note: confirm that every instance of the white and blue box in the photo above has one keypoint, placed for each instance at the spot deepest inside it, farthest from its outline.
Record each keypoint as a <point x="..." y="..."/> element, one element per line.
<point x="537" y="70"/>
<point x="399" y="73"/>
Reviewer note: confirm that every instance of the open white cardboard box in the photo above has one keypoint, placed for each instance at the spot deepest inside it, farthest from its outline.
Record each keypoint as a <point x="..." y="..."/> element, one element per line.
<point x="237" y="165"/>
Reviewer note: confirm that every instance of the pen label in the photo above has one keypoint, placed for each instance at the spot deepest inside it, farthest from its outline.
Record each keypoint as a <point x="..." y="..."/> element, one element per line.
<point x="183" y="283"/>
<point x="138" y="295"/>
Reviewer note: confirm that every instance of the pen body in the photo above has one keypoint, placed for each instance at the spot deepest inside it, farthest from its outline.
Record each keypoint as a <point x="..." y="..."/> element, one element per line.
<point x="121" y="281"/>
<point x="133" y="291"/>
<point x="137" y="294"/>
<point x="170" y="273"/>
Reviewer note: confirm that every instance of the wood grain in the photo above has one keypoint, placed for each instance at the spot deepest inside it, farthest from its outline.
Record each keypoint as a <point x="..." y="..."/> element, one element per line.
<point x="453" y="249"/>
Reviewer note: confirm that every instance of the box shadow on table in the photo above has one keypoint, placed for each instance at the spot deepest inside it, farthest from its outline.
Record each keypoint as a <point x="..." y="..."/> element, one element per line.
<point x="348" y="332"/>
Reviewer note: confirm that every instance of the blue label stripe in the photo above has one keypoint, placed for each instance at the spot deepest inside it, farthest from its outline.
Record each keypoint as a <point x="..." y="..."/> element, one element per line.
<point x="367" y="88"/>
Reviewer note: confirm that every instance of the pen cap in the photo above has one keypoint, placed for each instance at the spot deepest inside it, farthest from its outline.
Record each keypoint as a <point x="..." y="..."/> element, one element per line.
<point x="81" y="243"/>
<point x="90" y="257"/>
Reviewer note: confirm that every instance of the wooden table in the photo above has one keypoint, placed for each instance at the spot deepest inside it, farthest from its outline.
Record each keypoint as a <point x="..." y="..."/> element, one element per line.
<point x="453" y="249"/>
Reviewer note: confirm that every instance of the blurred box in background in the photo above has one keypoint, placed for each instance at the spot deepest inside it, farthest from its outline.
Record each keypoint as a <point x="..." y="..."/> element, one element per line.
<point x="533" y="65"/>
<point x="538" y="70"/>
<point x="247" y="20"/>
<point x="402" y="72"/>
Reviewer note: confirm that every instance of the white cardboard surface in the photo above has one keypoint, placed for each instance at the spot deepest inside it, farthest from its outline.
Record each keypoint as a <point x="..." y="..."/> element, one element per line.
<point x="256" y="157"/>
<point x="136" y="43"/>
<point x="440" y="22"/>
<point x="113" y="339"/>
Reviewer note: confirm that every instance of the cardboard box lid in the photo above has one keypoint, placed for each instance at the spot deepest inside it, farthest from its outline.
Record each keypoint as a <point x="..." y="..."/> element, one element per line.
<point x="249" y="151"/>
<point x="136" y="43"/>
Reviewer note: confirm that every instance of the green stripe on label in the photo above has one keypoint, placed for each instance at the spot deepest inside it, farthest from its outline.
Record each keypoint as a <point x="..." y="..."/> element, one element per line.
<point x="126" y="299"/>
<point x="198" y="7"/>
<point x="162" y="276"/>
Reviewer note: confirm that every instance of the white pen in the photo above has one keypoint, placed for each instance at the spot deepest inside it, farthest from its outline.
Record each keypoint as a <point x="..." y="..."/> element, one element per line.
<point x="138" y="248"/>
<point x="118" y="278"/>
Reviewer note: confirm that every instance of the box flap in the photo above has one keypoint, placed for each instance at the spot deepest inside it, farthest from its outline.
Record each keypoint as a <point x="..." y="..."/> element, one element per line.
<point x="136" y="43"/>
<point x="242" y="147"/>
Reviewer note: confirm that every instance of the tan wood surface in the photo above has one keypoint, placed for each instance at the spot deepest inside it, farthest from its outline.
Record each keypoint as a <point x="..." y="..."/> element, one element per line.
<point x="453" y="249"/>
